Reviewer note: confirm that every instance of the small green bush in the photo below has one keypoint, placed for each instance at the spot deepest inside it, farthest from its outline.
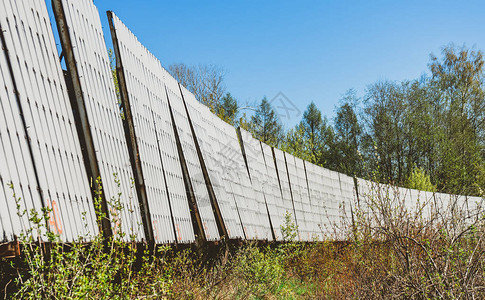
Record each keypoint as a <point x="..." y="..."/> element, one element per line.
<point x="419" y="180"/>
<point x="90" y="267"/>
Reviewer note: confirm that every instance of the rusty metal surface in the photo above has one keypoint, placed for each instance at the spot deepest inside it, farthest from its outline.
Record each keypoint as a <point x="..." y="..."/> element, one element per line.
<point x="10" y="249"/>
<point x="48" y="121"/>
<point x="88" y="63"/>
<point x="155" y="137"/>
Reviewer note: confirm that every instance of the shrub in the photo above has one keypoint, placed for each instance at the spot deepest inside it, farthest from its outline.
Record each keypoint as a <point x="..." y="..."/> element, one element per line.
<point x="100" y="268"/>
<point x="419" y="180"/>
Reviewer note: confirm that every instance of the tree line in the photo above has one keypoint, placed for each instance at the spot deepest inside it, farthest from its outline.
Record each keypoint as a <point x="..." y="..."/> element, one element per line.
<point x="426" y="133"/>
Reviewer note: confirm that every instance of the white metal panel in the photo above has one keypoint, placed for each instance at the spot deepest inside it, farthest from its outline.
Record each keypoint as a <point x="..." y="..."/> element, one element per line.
<point x="428" y="200"/>
<point x="273" y="191"/>
<point x="315" y="188"/>
<point x="296" y="172"/>
<point x="364" y="190"/>
<point x="210" y="145"/>
<point x="475" y="204"/>
<point x="48" y="117"/>
<point x="259" y="181"/>
<point x="423" y="205"/>
<point x="96" y="79"/>
<point x="296" y="196"/>
<point x="405" y="198"/>
<point x="459" y="206"/>
<point x="347" y="188"/>
<point x="310" y="234"/>
<point x="254" y="221"/>
<point x="337" y="199"/>
<point x="182" y="125"/>
<point x="417" y="198"/>
<point x="322" y="198"/>
<point x="220" y="137"/>
<point x="474" y="207"/>
<point x="279" y="158"/>
<point x="232" y="170"/>
<point x="156" y="139"/>
<point x="312" y="216"/>
<point x="17" y="176"/>
<point x="442" y="203"/>
<point x="330" y="206"/>
<point x="315" y="199"/>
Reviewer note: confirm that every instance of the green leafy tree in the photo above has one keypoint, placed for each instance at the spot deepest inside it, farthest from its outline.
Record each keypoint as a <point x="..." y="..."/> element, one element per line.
<point x="348" y="132"/>
<point x="228" y="109"/>
<point x="294" y="142"/>
<point x="312" y="129"/>
<point x="244" y="122"/>
<point x="385" y="111"/>
<point x="459" y="78"/>
<point x="265" y="125"/>
<point x="328" y="156"/>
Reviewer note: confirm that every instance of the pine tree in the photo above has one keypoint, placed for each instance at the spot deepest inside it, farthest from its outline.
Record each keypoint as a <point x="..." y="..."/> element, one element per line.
<point x="265" y="124"/>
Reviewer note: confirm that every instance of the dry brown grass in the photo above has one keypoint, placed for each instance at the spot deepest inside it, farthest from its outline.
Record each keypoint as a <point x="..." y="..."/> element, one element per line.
<point x="390" y="252"/>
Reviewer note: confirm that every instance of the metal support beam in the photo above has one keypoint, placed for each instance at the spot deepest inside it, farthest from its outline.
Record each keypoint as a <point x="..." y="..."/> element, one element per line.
<point x="10" y="250"/>
<point x="130" y="135"/>
<point x="194" y="210"/>
<point x="215" y="206"/>
<point x="82" y="123"/>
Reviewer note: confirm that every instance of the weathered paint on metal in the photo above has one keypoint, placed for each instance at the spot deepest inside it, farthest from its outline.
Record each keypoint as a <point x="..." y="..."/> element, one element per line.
<point x="152" y="129"/>
<point x="89" y="67"/>
<point x="41" y="96"/>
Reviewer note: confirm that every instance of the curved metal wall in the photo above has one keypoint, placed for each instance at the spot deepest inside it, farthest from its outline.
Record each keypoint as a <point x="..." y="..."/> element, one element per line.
<point x="196" y="177"/>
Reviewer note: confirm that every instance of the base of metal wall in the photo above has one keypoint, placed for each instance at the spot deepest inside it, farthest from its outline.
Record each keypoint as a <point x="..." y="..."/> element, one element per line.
<point x="10" y="249"/>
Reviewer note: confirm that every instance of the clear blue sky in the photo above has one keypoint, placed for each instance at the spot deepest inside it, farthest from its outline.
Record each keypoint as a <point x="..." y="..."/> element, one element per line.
<point x="309" y="50"/>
